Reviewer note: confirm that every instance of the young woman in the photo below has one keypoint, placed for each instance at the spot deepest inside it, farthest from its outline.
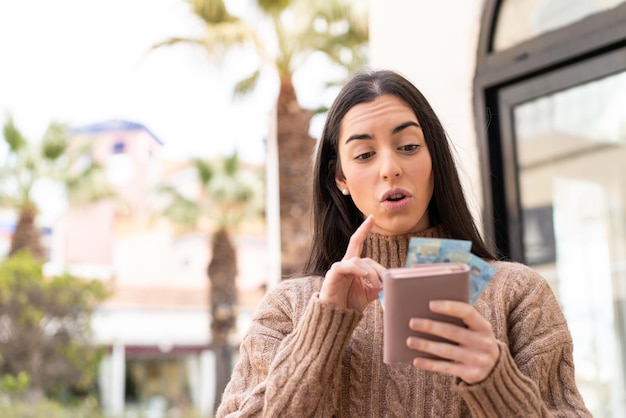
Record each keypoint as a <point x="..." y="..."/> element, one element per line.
<point x="384" y="173"/>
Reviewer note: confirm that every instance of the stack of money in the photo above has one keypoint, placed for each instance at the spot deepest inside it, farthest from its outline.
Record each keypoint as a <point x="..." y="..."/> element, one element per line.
<point x="440" y="250"/>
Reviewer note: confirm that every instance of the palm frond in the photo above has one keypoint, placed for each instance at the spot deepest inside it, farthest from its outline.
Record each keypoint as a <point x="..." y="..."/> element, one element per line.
<point x="273" y="7"/>
<point x="211" y="11"/>
<point x="339" y="30"/>
<point x="205" y="171"/>
<point x="219" y="38"/>
<point x="88" y="186"/>
<point x="231" y="165"/>
<point x="320" y="110"/>
<point x="176" y="41"/>
<point x="179" y="208"/>
<point x="12" y="136"/>
<point x="54" y="142"/>
<point x="248" y="84"/>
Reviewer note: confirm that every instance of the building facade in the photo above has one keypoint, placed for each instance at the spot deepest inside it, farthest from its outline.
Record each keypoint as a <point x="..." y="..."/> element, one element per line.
<point x="533" y="96"/>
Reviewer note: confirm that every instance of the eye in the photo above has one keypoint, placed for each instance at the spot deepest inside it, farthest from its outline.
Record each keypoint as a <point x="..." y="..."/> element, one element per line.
<point x="409" y="148"/>
<point x="364" y="156"/>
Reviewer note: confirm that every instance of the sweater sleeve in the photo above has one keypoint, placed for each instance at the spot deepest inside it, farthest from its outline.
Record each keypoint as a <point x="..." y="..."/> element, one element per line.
<point x="288" y="361"/>
<point x="534" y="375"/>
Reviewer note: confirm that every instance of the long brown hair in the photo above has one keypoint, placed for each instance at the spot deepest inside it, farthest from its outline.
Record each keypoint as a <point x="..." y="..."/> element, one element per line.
<point x="335" y="218"/>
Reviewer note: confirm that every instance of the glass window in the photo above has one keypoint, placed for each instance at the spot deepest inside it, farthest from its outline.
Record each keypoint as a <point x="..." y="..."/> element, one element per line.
<point x="571" y="154"/>
<point x="521" y="20"/>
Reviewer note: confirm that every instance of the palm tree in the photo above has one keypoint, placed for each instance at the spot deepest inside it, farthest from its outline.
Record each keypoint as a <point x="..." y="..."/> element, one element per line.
<point x="27" y="164"/>
<point x="227" y="198"/>
<point x="299" y="28"/>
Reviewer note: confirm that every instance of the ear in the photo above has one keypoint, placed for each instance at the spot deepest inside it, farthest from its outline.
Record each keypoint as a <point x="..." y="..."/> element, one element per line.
<point x="340" y="181"/>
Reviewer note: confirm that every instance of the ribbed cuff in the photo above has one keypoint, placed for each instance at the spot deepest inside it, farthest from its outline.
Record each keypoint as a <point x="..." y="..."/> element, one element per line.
<point x="325" y="331"/>
<point x="506" y="392"/>
<point x="304" y="372"/>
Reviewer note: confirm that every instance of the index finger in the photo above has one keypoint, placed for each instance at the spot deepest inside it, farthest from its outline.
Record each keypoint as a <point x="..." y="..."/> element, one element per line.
<point x="355" y="246"/>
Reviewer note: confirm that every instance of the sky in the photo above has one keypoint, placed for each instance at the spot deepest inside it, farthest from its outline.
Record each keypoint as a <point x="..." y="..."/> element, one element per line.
<point x="86" y="61"/>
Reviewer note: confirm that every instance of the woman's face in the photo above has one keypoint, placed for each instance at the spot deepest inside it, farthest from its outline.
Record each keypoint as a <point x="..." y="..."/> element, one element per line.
<point x="386" y="165"/>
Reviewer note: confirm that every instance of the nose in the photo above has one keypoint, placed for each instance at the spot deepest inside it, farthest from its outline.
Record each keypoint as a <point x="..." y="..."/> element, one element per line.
<point x="389" y="166"/>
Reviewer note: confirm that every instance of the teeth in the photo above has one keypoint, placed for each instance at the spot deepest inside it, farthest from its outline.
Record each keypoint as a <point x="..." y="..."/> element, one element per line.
<point x="396" y="196"/>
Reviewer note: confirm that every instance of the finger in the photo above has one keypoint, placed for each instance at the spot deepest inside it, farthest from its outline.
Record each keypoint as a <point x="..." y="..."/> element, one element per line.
<point x="349" y="267"/>
<point x="373" y="276"/>
<point x="470" y="372"/>
<point x="462" y="310"/>
<point x="355" y="246"/>
<point x="441" y="349"/>
<point x="374" y="272"/>
<point x="450" y="332"/>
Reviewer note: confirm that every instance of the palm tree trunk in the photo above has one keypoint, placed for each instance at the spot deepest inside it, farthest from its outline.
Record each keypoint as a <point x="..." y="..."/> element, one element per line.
<point x="26" y="235"/>
<point x="295" y="152"/>
<point x="223" y="369"/>
<point x="222" y="271"/>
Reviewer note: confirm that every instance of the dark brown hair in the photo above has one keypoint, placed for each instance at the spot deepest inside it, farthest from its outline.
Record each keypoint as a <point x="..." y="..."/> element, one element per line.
<point x="335" y="218"/>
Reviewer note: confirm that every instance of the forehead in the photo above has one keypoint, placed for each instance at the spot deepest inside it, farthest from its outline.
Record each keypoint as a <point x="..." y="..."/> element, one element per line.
<point x="368" y="115"/>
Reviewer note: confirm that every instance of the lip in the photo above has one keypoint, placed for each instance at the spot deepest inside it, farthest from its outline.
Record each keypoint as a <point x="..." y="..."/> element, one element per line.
<point x="395" y="204"/>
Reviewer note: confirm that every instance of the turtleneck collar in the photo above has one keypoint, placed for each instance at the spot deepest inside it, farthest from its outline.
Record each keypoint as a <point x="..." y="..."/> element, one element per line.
<point x="391" y="251"/>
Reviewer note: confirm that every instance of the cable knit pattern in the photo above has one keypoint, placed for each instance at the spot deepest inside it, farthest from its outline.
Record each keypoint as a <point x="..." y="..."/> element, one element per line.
<point x="304" y="358"/>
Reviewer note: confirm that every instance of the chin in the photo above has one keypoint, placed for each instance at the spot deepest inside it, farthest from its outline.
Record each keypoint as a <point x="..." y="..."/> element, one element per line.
<point x="400" y="225"/>
<point x="393" y="230"/>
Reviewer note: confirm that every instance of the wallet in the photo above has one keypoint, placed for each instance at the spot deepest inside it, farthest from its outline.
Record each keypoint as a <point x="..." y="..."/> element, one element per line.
<point x="407" y="292"/>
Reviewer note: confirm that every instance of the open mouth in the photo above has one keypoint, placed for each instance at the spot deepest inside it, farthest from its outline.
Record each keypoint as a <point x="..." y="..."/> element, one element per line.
<point x="395" y="197"/>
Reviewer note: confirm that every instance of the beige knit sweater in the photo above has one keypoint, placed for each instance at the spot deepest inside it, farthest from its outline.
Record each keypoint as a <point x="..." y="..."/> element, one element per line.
<point x="304" y="358"/>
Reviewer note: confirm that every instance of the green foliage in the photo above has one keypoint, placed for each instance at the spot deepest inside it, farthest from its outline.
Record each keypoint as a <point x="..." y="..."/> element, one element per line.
<point x="55" y="142"/>
<point x="212" y="11"/>
<point x="245" y="86"/>
<point x="45" y="335"/>
<point x="14" y="385"/>
<point x="273" y="6"/>
<point x="13" y="136"/>
<point x="181" y="210"/>
<point x="231" y="165"/>
<point x="50" y="409"/>
<point x="229" y="194"/>
<point x="51" y="159"/>
<point x="297" y="28"/>
<point x="204" y="170"/>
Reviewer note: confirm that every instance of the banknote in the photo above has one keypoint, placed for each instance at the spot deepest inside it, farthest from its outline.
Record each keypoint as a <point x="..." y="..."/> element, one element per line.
<point x="430" y="250"/>
<point x="481" y="271"/>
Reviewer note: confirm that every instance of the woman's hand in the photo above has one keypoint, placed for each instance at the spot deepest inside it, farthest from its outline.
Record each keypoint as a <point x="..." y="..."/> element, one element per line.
<point x="476" y="353"/>
<point x="354" y="281"/>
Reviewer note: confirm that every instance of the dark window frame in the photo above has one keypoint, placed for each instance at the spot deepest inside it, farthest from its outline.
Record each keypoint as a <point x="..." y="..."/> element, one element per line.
<point x="602" y="34"/>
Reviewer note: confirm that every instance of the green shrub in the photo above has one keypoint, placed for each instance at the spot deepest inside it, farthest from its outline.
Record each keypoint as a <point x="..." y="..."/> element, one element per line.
<point x="49" y="409"/>
<point x="45" y="333"/>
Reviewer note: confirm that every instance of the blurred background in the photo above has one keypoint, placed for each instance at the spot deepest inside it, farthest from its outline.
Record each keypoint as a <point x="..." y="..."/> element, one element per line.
<point x="155" y="175"/>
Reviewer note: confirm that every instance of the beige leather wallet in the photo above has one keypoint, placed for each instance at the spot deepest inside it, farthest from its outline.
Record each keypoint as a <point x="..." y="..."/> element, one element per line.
<point x="407" y="292"/>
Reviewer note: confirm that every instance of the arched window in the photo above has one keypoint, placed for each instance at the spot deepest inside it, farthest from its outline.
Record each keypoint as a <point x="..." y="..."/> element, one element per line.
<point x="550" y="102"/>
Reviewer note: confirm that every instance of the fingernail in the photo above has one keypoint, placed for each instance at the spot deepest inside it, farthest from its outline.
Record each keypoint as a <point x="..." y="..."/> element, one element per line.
<point x="435" y="304"/>
<point x="415" y="323"/>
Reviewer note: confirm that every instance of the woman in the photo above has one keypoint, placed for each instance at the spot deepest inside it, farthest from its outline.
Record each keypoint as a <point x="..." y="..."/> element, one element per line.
<point x="384" y="173"/>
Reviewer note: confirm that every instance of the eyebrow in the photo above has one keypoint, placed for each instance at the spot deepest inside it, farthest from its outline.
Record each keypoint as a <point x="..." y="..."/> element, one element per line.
<point x="394" y="131"/>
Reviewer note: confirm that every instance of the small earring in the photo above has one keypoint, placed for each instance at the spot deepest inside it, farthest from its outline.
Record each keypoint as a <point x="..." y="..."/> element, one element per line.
<point x="345" y="192"/>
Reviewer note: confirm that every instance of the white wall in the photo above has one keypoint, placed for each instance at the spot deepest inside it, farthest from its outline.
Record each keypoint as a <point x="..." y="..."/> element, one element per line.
<point x="434" y="44"/>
